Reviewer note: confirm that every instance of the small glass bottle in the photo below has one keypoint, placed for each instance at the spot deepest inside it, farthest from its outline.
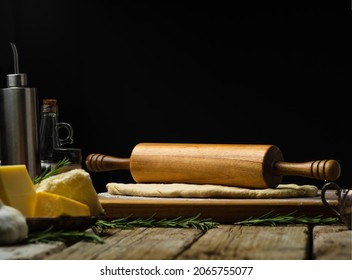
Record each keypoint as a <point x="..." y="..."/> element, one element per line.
<point x="74" y="155"/>
<point x="49" y="138"/>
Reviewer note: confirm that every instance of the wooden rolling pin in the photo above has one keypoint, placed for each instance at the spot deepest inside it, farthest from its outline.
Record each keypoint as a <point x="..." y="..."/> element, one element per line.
<point x="242" y="165"/>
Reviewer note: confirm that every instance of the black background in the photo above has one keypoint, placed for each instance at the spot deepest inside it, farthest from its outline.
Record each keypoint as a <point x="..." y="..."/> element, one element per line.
<point x="126" y="72"/>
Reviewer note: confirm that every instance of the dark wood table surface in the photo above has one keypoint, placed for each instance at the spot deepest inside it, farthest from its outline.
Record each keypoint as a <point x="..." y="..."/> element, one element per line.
<point x="225" y="242"/>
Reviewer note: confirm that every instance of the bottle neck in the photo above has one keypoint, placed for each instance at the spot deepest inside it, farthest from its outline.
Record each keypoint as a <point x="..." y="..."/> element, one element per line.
<point x="46" y="108"/>
<point x="48" y="132"/>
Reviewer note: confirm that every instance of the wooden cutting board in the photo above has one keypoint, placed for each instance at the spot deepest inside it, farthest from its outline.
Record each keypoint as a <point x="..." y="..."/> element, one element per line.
<point x="220" y="210"/>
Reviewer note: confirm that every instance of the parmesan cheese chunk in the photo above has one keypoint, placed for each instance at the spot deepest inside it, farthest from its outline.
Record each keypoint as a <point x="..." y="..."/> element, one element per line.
<point x="75" y="184"/>
<point x="53" y="205"/>
<point x="17" y="189"/>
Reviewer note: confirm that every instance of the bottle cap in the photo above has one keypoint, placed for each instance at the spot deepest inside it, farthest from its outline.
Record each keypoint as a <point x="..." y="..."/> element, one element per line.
<point x="51" y="102"/>
<point x="49" y="105"/>
<point x="17" y="79"/>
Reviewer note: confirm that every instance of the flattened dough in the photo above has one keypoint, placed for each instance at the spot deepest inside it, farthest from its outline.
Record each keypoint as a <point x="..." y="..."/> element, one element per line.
<point x="209" y="191"/>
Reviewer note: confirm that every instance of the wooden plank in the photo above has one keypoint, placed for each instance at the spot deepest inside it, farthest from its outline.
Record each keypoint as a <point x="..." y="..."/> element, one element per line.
<point x="220" y="210"/>
<point x="139" y="243"/>
<point x="332" y="243"/>
<point x="246" y="242"/>
<point x="30" y="251"/>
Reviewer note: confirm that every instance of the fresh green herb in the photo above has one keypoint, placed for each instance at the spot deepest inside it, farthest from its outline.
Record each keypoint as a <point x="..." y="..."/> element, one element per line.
<point x="203" y="224"/>
<point x="277" y="219"/>
<point x="101" y="226"/>
<point x="50" y="172"/>
<point x="50" y="235"/>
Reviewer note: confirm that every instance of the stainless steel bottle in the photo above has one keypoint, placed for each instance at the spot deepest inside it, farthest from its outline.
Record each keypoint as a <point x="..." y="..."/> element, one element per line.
<point x="19" y="122"/>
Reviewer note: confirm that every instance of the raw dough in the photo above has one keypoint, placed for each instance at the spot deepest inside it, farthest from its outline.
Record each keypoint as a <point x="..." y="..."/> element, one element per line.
<point x="209" y="191"/>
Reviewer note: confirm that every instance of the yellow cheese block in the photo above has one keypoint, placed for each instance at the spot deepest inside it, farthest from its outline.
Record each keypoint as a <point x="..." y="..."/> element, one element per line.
<point x="17" y="189"/>
<point x="53" y="205"/>
<point x="75" y="184"/>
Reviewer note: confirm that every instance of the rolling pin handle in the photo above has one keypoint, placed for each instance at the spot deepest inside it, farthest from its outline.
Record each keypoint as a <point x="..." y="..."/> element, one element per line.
<point x="327" y="170"/>
<point x="102" y="163"/>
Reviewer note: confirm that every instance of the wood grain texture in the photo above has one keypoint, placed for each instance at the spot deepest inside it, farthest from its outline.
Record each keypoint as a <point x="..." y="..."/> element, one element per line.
<point x="226" y="242"/>
<point x="251" y="243"/>
<point x="240" y="165"/>
<point x="219" y="164"/>
<point x="30" y="251"/>
<point x="136" y="244"/>
<point x="221" y="210"/>
<point x="332" y="243"/>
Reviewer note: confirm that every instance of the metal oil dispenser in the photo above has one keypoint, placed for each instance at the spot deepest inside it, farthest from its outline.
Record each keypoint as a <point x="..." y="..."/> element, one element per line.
<point x="19" y="122"/>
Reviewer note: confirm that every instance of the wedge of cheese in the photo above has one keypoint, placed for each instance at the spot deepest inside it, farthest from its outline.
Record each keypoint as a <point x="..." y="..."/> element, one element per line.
<point x="75" y="184"/>
<point x="16" y="188"/>
<point x="53" y="205"/>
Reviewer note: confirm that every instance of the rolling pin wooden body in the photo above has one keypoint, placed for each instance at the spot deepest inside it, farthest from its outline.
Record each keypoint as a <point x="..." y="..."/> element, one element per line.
<point x="241" y="165"/>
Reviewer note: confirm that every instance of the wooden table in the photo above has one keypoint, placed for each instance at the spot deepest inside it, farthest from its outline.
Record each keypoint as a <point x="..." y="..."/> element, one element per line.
<point x="225" y="242"/>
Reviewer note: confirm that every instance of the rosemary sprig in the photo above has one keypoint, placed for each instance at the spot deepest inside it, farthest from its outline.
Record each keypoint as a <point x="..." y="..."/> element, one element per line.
<point x="50" y="172"/>
<point x="278" y="219"/>
<point x="203" y="224"/>
<point x="101" y="226"/>
<point x="50" y="235"/>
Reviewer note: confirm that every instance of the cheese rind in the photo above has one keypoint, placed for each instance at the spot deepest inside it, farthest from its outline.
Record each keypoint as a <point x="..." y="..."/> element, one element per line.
<point x="75" y="184"/>
<point x="17" y="189"/>
<point x="53" y="205"/>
